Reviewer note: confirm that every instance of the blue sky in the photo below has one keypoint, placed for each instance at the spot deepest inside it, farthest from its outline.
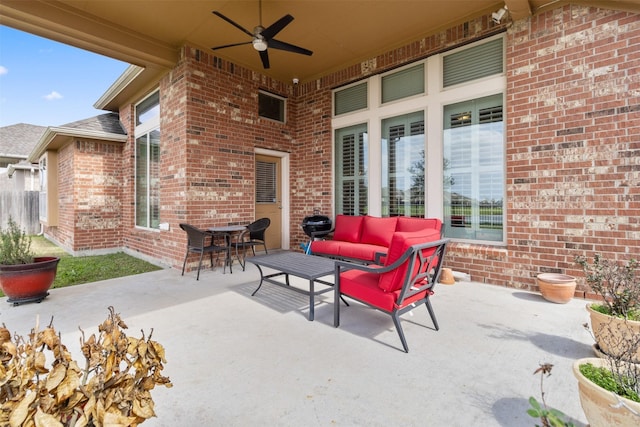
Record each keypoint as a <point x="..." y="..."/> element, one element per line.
<point x="46" y="83"/>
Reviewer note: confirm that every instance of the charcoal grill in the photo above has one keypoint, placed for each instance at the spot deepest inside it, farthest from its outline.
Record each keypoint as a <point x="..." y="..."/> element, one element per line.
<point x="315" y="226"/>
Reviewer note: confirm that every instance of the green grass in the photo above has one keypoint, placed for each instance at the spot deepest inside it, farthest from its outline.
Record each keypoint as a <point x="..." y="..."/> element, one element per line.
<point x="78" y="270"/>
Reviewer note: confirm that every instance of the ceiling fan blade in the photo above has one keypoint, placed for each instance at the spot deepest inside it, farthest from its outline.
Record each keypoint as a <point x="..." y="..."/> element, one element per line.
<point x="230" y="45"/>
<point x="277" y="44"/>
<point x="264" y="56"/>
<point x="238" y="26"/>
<point x="276" y="27"/>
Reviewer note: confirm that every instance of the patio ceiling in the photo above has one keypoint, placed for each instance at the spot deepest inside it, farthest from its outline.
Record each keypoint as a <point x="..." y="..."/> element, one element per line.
<point x="150" y="33"/>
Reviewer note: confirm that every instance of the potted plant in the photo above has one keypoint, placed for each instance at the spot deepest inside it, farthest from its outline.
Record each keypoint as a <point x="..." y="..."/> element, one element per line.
<point x="43" y="385"/>
<point x="618" y="312"/>
<point x="23" y="277"/>
<point x="609" y="387"/>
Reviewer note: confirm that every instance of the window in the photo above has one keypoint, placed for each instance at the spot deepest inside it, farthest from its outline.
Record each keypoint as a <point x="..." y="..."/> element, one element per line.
<point x="395" y="155"/>
<point x="48" y="197"/>
<point x="403" y="83"/>
<point x="474" y="169"/>
<point x="266" y="182"/>
<point x="403" y="145"/>
<point x="479" y="61"/>
<point x="271" y="106"/>
<point x="351" y="170"/>
<point x="148" y="163"/>
<point x="350" y="99"/>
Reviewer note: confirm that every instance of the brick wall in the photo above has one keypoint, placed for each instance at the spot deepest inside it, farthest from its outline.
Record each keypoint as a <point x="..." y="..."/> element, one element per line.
<point x="90" y="196"/>
<point x="573" y="168"/>
<point x="573" y="147"/>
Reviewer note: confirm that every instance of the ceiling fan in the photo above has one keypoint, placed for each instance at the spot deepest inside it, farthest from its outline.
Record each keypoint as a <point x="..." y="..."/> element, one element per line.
<point x="263" y="38"/>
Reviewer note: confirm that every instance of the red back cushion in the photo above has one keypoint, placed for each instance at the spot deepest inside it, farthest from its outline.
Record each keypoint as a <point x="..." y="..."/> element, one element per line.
<point x="378" y="231"/>
<point x="348" y="228"/>
<point x="400" y="243"/>
<point x="406" y="223"/>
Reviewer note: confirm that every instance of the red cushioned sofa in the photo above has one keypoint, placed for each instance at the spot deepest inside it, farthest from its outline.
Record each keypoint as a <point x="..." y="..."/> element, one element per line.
<point x="367" y="238"/>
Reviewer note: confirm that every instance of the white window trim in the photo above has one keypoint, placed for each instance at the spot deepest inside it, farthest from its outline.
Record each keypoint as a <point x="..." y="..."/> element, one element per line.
<point x="143" y="129"/>
<point x="432" y="103"/>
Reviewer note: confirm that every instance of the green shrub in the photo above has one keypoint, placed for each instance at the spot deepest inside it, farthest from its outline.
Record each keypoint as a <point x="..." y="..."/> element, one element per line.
<point x="15" y="245"/>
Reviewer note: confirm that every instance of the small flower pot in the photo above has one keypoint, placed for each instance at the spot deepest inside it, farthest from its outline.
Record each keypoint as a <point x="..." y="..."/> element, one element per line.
<point x="557" y="288"/>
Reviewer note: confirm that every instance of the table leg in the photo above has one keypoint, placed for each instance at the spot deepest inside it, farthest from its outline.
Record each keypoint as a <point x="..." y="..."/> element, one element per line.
<point x="311" y="307"/>
<point x="261" y="277"/>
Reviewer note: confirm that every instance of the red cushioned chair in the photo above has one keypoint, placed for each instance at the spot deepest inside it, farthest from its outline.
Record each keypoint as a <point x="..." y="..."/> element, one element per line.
<point x="407" y="279"/>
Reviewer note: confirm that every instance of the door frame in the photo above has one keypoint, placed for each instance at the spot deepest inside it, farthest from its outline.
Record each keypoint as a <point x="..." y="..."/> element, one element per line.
<point x="284" y="191"/>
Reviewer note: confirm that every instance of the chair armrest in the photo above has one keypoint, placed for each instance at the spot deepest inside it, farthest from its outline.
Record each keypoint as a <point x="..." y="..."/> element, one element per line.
<point x="377" y="258"/>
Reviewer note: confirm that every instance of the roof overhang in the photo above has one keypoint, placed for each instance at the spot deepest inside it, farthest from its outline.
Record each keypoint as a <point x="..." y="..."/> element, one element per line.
<point x="55" y="138"/>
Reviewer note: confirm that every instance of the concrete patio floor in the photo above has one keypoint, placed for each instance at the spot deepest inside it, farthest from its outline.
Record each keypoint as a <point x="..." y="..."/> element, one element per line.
<point x="238" y="360"/>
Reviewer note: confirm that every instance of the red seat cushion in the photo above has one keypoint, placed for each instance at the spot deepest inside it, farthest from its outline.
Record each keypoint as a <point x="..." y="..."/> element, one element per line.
<point x="326" y="247"/>
<point x="363" y="286"/>
<point x="378" y="231"/>
<point x="400" y="243"/>
<point x="348" y="228"/>
<point x="406" y="223"/>
<point x="361" y="251"/>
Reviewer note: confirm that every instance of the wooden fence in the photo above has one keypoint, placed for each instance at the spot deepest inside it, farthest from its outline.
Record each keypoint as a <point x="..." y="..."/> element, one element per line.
<point x="22" y="206"/>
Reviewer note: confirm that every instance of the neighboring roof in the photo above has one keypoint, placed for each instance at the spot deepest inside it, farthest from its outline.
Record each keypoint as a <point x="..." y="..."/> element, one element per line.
<point x="109" y="123"/>
<point x="105" y="127"/>
<point x="17" y="141"/>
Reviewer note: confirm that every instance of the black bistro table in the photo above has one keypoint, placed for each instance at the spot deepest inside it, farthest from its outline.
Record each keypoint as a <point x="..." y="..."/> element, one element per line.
<point x="287" y="263"/>
<point x="228" y="231"/>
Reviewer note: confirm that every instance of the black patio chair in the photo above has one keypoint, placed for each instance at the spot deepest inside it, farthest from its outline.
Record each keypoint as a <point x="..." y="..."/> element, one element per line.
<point x="202" y="242"/>
<point x="250" y="238"/>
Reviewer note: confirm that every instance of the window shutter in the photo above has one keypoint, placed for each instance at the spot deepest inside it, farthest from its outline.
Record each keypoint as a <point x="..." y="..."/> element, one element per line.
<point x="351" y="99"/>
<point x="265" y="182"/>
<point x="403" y="84"/>
<point x="473" y="63"/>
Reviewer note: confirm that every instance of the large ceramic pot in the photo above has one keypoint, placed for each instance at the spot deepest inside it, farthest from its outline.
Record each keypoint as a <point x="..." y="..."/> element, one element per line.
<point x="558" y="288"/>
<point x="603" y="325"/>
<point x="23" y="283"/>
<point x="601" y="407"/>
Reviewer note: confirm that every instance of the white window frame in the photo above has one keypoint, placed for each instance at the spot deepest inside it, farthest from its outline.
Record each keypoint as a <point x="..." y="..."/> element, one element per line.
<point x="432" y="103"/>
<point x="144" y="128"/>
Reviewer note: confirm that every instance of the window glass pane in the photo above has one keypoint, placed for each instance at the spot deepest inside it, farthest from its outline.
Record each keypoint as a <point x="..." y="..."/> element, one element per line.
<point x="403" y="160"/>
<point x="148" y="180"/>
<point x="154" y="179"/>
<point x="271" y="107"/>
<point x="351" y="170"/>
<point x="473" y="63"/>
<point x="402" y="84"/>
<point x="474" y="169"/>
<point x="350" y="99"/>
<point x="266" y="185"/>
<point x="142" y="181"/>
<point x="148" y="109"/>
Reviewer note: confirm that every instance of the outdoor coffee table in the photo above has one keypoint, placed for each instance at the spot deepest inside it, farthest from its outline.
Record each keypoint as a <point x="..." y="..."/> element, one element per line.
<point x="287" y="263"/>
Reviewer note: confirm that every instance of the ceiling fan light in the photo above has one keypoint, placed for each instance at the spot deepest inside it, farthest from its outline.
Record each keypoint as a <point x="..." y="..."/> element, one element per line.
<point x="260" y="44"/>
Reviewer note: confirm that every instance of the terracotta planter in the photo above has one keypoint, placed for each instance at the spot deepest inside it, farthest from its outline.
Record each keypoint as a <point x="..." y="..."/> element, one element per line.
<point x="602" y="325"/>
<point x="558" y="288"/>
<point x="601" y="407"/>
<point x="28" y="282"/>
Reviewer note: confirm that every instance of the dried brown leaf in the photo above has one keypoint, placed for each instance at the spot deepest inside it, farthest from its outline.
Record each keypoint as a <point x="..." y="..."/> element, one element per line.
<point x="68" y="385"/>
<point x="46" y="420"/>
<point x="5" y="335"/>
<point x="56" y="376"/>
<point x="115" y="419"/>
<point x="21" y="410"/>
<point x="143" y="406"/>
<point x="50" y="338"/>
<point x="39" y="362"/>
